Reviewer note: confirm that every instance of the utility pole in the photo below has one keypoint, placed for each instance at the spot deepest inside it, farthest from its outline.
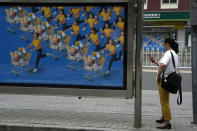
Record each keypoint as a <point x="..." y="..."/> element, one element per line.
<point x="138" y="63"/>
<point x="194" y="56"/>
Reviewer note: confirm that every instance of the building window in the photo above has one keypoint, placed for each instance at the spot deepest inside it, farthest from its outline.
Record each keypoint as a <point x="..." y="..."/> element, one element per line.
<point x="169" y="4"/>
<point x="145" y="4"/>
<point x="169" y="1"/>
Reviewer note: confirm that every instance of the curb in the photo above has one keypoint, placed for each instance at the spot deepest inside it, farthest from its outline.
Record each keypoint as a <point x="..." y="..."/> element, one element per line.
<point x="38" y="127"/>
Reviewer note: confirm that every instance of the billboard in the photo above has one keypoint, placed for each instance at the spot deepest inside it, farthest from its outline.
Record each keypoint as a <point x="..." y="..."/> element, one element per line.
<point x="65" y="45"/>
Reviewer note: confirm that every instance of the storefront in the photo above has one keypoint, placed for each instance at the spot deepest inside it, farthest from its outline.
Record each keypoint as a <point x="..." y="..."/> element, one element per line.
<point x="175" y="24"/>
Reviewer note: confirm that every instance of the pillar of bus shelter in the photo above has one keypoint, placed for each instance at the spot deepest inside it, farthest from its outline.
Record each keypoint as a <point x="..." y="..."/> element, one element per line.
<point x="138" y="64"/>
<point x="193" y="16"/>
<point x="194" y="73"/>
<point x="130" y="50"/>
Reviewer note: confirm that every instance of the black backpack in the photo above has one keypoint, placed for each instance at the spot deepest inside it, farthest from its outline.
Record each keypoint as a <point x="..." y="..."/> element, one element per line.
<point x="172" y="83"/>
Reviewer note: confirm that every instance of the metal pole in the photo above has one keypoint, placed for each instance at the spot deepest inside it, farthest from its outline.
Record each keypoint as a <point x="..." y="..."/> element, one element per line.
<point x="130" y="50"/>
<point x="138" y="64"/>
<point x="194" y="55"/>
<point x="194" y="73"/>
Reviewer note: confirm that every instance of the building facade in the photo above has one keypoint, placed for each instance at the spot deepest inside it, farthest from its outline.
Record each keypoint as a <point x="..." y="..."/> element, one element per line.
<point x="170" y="17"/>
<point x="162" y="19"/>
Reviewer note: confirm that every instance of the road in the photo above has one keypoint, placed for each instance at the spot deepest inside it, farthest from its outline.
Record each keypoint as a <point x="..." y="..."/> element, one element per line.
<point x="149" y="80"/>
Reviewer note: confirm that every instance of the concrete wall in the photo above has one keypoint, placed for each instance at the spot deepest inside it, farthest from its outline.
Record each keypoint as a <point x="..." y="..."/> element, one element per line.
<point x="181" y="37"/>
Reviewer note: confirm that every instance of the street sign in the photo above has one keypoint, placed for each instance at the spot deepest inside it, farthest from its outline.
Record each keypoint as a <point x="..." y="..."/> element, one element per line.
<point x="167" y="16"/>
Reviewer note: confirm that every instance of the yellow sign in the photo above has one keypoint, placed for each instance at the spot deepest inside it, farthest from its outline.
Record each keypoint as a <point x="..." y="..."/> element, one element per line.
<point x="177" y="25"/>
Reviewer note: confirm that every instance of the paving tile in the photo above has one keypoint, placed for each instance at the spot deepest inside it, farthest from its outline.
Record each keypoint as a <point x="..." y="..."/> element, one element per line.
<point x="39" y="112"/>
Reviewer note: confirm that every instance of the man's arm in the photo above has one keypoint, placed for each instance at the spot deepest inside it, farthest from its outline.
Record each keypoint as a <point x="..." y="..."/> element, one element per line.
<point x="68" y="29"/>
<point x="33" y="49"/>
<point x="54" y="18"/>
<point x="86" y="40"/>
<point x="39" y="11"/>
<point x="29" y="46"/>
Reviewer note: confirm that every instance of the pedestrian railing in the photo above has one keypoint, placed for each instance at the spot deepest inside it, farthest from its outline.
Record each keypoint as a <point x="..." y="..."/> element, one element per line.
<point x="184" y="57"/>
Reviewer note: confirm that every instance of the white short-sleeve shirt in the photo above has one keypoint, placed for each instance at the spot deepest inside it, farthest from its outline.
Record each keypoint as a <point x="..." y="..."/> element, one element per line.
<point x="167" y="60"/>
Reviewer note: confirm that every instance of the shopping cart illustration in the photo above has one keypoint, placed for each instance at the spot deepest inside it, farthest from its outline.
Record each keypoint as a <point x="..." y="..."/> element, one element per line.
<point x="13" y="16"/>
<point x="94" y="65"/>
<point x="76" y="53"/>
<point x="58" y="43"/>
<point x="43" y="31"/>
<point x="35" y="27"/>
<point x="27" y="26"/>
<point x="27" y="22"/>
<point x="20" y="59"/>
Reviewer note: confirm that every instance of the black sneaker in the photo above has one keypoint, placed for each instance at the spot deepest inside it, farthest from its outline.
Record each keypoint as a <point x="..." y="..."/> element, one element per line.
<point x="159" y="121"/>
<point x="164" y="127"/>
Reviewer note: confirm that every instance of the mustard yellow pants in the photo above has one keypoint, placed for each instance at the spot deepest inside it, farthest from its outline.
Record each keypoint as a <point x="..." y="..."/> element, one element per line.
<point x="165" y="102"/>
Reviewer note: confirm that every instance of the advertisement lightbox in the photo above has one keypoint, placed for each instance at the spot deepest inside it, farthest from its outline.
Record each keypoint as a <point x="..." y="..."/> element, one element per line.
<point x="64" y="44"/>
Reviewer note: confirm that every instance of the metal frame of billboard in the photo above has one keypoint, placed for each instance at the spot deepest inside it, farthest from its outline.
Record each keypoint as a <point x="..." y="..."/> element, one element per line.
<point x="128" y="93"/>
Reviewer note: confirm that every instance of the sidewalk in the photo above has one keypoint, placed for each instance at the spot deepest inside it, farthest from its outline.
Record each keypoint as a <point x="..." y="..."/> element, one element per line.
<point x="66" y="113"/>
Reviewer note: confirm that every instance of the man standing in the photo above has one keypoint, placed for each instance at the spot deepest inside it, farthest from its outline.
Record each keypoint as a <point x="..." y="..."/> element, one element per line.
<point x="46" y="12"/>
<point x="38" y="48"/>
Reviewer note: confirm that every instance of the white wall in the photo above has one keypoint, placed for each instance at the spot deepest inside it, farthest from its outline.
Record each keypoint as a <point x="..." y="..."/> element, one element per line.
<point x="181" y="37"/>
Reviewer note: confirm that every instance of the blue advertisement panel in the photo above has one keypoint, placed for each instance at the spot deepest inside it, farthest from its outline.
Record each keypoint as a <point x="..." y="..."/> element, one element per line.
<point x="67" y="45"/>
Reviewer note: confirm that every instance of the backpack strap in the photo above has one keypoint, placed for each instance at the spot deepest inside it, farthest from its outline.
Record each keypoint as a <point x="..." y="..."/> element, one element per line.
<point x="179" y="99"/>
<point x="173" y="60"/>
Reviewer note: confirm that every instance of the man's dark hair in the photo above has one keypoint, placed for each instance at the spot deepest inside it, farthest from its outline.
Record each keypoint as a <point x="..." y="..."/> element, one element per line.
<point x="37" y="34"/>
